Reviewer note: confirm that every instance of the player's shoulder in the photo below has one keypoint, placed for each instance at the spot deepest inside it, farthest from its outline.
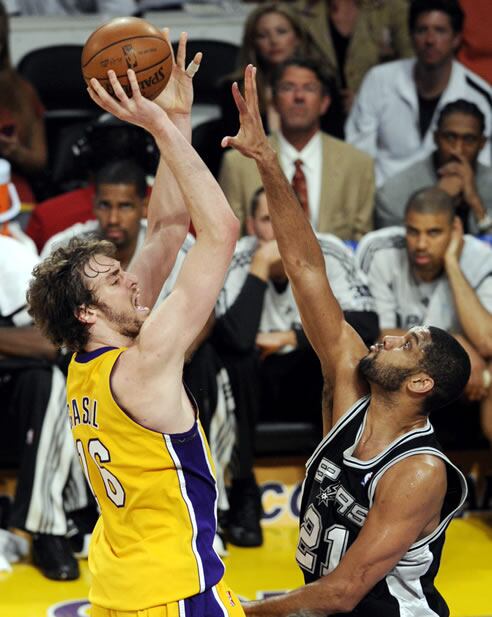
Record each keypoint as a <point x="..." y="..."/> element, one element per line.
<point x="332" y="244"/>
<point x="478" y="246"/>
<point x="386" y="73"/>
<point x="428" y="469"/>
<point x="349" y="152"/>
<point x="380" y="241"/>
<point x="476" y="85"/>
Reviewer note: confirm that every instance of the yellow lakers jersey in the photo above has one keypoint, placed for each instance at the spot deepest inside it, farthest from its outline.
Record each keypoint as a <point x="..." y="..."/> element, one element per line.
<point x="156" y="492"/>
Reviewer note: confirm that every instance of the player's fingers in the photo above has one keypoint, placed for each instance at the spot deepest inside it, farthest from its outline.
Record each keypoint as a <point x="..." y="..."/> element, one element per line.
<point x="165" y="34"/>
<point x="181" y="55"/>
<point x="256" y="106"/>
<point x="194" y="65"/>
<point x="99" y="95"/>
<point x="117" y="88"/>
<point x="238" y="99"/>
<point x="132" y="78"/>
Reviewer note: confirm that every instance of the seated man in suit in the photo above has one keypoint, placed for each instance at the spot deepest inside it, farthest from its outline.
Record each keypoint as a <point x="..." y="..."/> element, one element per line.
<point x="453" y="166"/>
<point x="333" y="180"/>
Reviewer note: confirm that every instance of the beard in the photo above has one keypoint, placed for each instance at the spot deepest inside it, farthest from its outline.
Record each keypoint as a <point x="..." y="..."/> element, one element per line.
<point x="390" y="378"/>
<point x="127" y="325"/>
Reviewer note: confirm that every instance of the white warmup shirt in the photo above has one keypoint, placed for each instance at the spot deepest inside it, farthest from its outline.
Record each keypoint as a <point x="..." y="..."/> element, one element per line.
<point x="401" y="300"/>
<point x="280" y="311"/>
<point x="384" y="120"/>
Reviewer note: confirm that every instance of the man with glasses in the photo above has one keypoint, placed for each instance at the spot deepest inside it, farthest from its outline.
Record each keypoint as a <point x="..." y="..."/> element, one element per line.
<point x="334" y="181"/>
<point x="453" y="166"/>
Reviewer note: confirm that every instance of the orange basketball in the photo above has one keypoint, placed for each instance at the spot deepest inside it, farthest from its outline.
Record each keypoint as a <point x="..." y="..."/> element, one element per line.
<point x="128" y="43"/>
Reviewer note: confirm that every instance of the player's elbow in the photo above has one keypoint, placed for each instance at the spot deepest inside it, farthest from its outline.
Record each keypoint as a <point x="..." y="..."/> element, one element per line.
<point x="342" y="596"/>
<point x="227" y="230"/>
<point x="345" y="600"/>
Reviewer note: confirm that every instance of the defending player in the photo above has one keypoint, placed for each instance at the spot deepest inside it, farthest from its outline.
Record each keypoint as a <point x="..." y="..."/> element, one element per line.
<point x="137" y="433"/>
<point x="379" y="493"/>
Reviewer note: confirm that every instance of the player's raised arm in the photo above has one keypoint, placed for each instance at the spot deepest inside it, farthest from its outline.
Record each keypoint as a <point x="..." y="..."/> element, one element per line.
<point x="338" y="346"/>
<point x="167" y="217"/>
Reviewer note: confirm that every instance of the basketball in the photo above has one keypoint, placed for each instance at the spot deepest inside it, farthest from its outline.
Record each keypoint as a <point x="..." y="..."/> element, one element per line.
<point x="128" y="43"/>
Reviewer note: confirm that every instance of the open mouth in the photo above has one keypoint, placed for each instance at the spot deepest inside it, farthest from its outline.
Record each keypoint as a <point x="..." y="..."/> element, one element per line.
<point x="136" y="303"/>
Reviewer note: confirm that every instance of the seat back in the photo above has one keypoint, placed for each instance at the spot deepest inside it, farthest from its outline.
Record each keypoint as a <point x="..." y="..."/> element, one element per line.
<point x="206" y="138"/>
<point x="219" y="59"/>
<point x="56" y="74"/>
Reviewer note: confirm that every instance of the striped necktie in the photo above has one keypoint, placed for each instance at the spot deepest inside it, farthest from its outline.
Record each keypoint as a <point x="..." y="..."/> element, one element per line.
<point x="299" y="184"/>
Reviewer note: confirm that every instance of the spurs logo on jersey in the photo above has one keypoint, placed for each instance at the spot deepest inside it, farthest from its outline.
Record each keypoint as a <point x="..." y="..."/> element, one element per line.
<point x="338" y="493"/>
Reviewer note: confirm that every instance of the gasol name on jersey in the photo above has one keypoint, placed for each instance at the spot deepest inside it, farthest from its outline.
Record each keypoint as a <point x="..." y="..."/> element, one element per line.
<point x="83" y="411"/>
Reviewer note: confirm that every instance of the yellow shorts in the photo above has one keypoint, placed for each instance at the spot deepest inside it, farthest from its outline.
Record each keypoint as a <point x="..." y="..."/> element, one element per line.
<point x="218" y="601"/>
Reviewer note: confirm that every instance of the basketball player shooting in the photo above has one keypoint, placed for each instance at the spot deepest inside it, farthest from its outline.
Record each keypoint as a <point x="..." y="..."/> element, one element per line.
<point x="136" y="432"/>
<point x="379" y="493"/>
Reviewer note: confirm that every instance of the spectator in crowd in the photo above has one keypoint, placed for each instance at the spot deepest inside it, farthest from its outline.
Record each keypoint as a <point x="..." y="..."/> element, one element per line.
<point x="104" y="140"/>
<point x="34" y="426"/>
<point x="476" y="47"/>
<point x="352" y="36"/>
<point x="333" y="180"/>
<point x="120" y="203"/>
<point x="395" y="112"/>
<point x="22" y="132"/>
<point x="453" y="166"/>
<point x="430" y="273"/>
<point x="258" y="334"/>
<point x="272" y="34"/>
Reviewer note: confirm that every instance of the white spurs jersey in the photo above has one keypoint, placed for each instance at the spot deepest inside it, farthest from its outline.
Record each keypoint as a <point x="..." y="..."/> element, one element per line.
<point x="338" y="493"/>
<point x="401" y="300"/>
<point x="280" y="311"/>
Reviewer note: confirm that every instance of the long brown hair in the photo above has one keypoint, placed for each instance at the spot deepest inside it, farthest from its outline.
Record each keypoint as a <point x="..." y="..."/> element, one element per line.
<point x="58" y="289"/>
<point x="247" y="52"/>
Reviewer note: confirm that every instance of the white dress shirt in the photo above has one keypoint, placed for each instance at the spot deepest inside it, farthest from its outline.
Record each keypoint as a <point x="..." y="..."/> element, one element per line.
<point x="312" y="164"/>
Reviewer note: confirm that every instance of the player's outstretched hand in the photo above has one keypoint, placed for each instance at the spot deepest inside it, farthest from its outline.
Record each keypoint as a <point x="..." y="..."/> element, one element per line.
<point x="177" y="96"/>
<point x="135" y="109"/>
<point x="251" y="139"/>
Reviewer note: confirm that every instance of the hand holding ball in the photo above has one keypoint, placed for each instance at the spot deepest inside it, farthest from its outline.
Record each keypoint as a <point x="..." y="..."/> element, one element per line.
<point x="128" y="43"/>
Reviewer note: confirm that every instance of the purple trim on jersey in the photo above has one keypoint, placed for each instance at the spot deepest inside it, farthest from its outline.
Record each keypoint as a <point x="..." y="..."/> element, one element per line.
<point x="204" y="604"/>
<point x="201" y="491"/>
<point x="87" y="356"/>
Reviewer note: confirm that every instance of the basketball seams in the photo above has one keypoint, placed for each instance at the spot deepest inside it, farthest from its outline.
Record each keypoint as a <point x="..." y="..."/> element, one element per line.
<point x="128" y="38"/>
<point x="125" y="43"/>
<point x="144" y="70"/>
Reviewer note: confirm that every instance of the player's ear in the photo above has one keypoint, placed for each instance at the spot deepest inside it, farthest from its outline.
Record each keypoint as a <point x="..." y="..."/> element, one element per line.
<point x="85" y="314"/>
<point x="420" y="383"/>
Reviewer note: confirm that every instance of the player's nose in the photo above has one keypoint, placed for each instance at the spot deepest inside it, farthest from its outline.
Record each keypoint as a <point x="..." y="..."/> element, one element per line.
<point x="390" y="342"/>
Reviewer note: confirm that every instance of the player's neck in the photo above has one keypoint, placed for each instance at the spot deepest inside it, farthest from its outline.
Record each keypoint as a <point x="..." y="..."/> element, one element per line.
<point x="299" y="139"/>
<point x="389" y="416"/>
<point x="106" y="337"/>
